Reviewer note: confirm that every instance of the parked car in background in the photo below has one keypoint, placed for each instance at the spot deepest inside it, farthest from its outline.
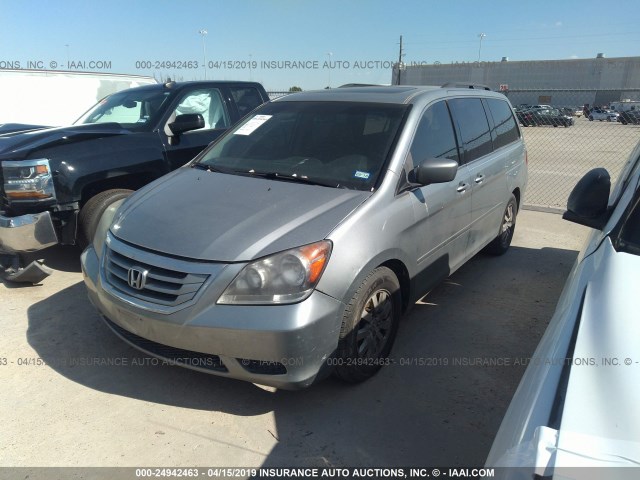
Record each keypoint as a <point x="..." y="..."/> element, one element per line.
<point x="56" y="182"/>
<point x="569" y="111"/>
<point x="629" y="116"/>
<point x="291" y="246"/>
<point x="544" y="116"/>
<point x="601" y="114"/>
<point x="578" y="111"/>
<point x="576" y="405"/>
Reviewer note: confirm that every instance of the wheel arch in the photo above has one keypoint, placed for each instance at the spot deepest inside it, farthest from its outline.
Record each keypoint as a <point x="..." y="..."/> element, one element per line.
<point x="402" y="274"/>
<point x="517" y="194"/>
<point x="132" y="181"/>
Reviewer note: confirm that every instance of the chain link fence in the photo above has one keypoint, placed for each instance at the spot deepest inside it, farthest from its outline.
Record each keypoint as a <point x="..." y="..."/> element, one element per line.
<point x="569" y="132"/>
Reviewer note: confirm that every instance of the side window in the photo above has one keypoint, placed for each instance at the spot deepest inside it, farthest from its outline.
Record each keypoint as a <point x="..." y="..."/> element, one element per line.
<point x="208" y="103"/>
<point x="434" y="137"/>
<point x="474" y="126"/>
<point x="246" y="98"/>
<point x="506" y="129"/>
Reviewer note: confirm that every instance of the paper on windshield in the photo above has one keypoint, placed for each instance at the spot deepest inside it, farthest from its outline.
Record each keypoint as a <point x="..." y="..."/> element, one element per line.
<point x="253" y="124"/>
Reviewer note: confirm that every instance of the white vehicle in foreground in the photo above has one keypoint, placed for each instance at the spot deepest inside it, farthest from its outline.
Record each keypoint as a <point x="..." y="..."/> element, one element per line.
<point x="577" y="404"/>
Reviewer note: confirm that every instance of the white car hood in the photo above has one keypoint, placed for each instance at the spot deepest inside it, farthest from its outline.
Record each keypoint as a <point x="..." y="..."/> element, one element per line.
<point x="603" y="399"/>
<point x="599" y="425"/>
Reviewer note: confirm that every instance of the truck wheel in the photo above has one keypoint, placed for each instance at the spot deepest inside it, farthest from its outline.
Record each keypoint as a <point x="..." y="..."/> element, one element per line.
<point x="501" y="243"/>
<point x="92" y="211"/>
<point x="369" y="327"/>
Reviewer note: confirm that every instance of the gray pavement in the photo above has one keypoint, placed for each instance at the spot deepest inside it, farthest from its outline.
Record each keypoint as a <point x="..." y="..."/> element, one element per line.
<point x="62" y="406"/>
<point x="559" y="157"/>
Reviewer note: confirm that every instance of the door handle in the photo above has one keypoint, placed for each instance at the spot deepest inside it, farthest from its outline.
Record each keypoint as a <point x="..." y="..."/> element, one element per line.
<point x="479" y="178"/>
<point x="462" y="187"/>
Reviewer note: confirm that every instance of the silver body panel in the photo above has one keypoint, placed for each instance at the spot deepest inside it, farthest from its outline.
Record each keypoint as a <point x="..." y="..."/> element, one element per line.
<point x="27" y="233"/>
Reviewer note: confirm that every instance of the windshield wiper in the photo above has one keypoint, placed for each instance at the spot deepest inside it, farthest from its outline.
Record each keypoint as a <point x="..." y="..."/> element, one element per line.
<point x="294" y="178"/>
<point x="211" y="168"/>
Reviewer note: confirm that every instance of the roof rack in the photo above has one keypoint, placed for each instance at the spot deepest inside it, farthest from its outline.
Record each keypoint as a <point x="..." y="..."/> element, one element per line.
<point x="474" y="86"/>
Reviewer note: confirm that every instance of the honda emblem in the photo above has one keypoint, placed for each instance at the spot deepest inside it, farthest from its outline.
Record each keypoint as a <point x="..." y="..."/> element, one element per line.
<point x="137" y="278"/>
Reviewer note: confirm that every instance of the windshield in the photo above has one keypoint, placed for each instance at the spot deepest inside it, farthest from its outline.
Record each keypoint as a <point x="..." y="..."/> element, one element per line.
<point x="135" y="110"/>
<point x="337" y="144"/>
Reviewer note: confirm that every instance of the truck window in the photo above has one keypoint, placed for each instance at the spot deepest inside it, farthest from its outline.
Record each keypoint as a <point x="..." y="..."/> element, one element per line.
<point x="208" y="103"/>
<point x="246" y="98"/>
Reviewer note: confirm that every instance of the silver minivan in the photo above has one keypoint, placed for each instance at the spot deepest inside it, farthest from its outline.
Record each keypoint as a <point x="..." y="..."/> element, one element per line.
<point x="291" y="246"/>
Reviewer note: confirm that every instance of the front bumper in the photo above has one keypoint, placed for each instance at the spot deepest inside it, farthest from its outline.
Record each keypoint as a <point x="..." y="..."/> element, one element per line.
<point x="284" y="346"/>
<point x="27" y="233"/>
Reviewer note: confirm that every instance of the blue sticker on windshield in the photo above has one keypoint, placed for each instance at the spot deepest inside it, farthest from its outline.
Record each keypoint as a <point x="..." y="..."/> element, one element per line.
<point x="362" y="175"/>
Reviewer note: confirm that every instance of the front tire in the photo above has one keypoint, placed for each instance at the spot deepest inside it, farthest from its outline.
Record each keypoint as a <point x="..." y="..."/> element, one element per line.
<point x="501" y="243"/>
<point x="369" y="327"/>
<point x="92" y="211"/>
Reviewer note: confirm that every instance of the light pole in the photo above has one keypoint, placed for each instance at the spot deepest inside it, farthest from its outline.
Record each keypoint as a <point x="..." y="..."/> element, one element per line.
<point x="67" y="49"/>
<point x="329" y="54"/>
<point x="481" y="36"/>
<point x="203" y="32"/>
<point x="250" y="69"/>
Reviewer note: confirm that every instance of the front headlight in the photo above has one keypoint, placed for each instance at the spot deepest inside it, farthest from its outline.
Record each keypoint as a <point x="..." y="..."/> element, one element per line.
<point x="28" y="180"/>
<point x="285" y="277"/>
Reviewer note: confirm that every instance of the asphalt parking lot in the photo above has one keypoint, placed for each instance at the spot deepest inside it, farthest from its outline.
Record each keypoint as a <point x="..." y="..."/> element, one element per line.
<point x="62" y="406"/>
<point x="559" y="157"/>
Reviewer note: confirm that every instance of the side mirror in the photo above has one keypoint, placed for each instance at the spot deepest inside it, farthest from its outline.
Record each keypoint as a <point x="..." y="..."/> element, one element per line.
<point x="186" y="122"/>
<point x="588" y="201"/>
<point x="436" y="170"/>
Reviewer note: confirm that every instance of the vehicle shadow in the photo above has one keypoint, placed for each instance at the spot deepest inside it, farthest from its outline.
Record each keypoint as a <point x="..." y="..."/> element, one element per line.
<point x="440" y="402"/>
<point x="65" y="258"/>
<point x="58" y="257"/>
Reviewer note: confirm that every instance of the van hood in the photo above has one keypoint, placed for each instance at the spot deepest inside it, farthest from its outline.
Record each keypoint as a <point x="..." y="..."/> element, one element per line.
<point x="18" y="145"/>
<point x="229" y="218"/>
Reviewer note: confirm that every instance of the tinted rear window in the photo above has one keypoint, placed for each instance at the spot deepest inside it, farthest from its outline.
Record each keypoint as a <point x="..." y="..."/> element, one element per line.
<point x="506" y="130"/>
<point x="474" y="126"/>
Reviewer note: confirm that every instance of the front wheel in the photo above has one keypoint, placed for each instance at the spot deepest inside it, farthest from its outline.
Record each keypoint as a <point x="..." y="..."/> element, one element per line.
<point x="590" y="118"/>
<point x="92" y="211"/>
<point x="369" y="327"/>
<point x="501" y="243"/>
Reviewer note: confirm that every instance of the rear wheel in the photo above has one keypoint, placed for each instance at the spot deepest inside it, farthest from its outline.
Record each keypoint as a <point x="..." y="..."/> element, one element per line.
<point x="369" y="327"/>
<point x="92" y="211"/>
<point x="501" y="243"/>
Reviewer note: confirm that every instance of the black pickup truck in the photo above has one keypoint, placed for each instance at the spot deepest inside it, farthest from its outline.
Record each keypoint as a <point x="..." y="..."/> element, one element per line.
<point x="56" y="182"/>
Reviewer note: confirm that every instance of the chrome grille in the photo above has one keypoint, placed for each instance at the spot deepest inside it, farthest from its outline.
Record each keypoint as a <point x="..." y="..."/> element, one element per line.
<point x="164" y="286"/>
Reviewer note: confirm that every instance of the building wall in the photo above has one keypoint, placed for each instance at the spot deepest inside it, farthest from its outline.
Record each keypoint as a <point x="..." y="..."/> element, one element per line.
<point x="596" y="81"/>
